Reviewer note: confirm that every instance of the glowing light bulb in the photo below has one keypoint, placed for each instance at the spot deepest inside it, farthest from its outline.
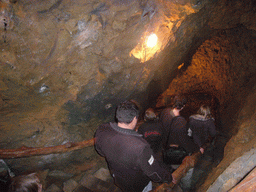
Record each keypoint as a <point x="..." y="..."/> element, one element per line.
<point x="152" y="40"/>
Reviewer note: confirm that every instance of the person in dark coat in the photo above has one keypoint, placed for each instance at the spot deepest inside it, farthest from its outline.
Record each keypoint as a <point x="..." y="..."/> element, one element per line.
<point x="130" y="159"/>
<point x="179" y="135"/>
<point x="178" y="144"/>
<point x="152" y="132"/>
<point x="202" y="126"/>
<point x="166" y="116"/>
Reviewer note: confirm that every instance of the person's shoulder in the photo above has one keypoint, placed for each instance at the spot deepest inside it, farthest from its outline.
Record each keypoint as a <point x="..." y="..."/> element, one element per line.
<point x="165" y="110"/>
<point x="104" y="125"/>
<point x="179" y="118"/>
<point x="192" y="119"/>
<point x="194" y="116"/>
<point x="139" y="140"/>
<point x="211" y="120"/>
<point x="199" y="118"/>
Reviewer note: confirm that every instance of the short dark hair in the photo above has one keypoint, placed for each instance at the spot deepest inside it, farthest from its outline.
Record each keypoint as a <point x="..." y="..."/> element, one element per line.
<point x="126" y="111"/>
<point x="179" y="102"/>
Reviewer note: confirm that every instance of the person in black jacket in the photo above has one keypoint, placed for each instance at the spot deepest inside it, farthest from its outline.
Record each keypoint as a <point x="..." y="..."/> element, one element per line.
<point x="152" y="132"/>
<point x="166" y="116"/>
<point x="202" y="126"/>
<point x="179" y="144"/>
<point x="129" y="157"/>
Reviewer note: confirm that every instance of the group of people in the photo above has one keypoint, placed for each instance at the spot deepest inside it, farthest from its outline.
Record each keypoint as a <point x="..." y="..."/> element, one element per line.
<point x="135" y="156"/>
<point x="171" y="133"/>
<point x="138" y="156"/>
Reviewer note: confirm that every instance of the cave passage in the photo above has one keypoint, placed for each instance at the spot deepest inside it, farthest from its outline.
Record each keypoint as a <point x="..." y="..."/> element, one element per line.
<point x="65" y="65"/>
<point x="214" y="154"/>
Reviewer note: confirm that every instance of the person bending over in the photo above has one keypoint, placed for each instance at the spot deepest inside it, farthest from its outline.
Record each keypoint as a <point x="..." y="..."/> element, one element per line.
<point x="130" y="159"/>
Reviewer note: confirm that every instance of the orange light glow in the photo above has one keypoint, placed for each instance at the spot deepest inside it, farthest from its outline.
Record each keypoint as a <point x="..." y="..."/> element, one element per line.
<point x="146" y="50"/>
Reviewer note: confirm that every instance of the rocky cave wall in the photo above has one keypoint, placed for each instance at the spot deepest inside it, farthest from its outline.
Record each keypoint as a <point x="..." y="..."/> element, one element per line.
<point x="65" y="65"/>
<point x="225" y="68"/>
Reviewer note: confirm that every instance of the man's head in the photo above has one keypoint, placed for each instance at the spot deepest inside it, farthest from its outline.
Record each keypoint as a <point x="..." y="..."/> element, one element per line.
<point x="149" y="115"/>
<point x="126" y="111"/>
<point x="179" y="102"/>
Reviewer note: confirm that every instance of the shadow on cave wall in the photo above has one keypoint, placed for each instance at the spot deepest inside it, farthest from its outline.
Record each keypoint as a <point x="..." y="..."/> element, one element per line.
<point x="91" y="104"/>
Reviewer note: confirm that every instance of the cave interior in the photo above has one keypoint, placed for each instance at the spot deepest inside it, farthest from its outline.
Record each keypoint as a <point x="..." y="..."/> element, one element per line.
<point x="66" y="65"/>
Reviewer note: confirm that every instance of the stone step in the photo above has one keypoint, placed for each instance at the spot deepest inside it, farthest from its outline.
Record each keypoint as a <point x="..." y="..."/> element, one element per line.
<point x="95" y="184"/>
<point x="88" y="183"/>
<point x="82" y="189"/>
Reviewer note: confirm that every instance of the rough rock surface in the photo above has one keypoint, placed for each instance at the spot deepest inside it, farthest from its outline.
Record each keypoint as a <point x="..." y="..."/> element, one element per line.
<point x="65" y="65"/>
<point x="239" y="157"/>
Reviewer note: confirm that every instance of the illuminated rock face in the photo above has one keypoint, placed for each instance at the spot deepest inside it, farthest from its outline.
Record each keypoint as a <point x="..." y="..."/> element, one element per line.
<point x="65" y="65"/>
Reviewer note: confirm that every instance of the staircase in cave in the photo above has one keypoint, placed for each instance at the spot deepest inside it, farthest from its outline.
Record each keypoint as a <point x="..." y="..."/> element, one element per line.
<point x="80" y="178"/>
<point x="60" y="181"/>
<point x="89" y="181"/>
<point x="98" y="179"/>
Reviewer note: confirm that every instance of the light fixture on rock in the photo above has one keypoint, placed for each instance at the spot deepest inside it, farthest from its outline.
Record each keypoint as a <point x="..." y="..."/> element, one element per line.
<point x="151" y="40"/>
